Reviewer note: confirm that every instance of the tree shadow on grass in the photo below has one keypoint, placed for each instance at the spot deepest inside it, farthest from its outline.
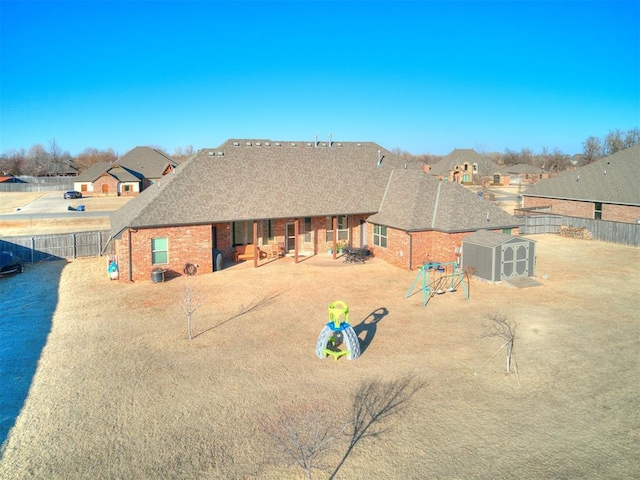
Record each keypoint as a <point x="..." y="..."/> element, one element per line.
<point x="369" y="326"/>
<point x="255" y="305"/>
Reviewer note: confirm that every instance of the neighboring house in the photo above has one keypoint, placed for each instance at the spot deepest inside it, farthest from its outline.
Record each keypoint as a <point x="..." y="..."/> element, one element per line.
<point x="525" y="173"/>
<point x="608" y="189"/>
<point x="465" y="165"/>
<point x="135" y="171"/>
<point x="8" y="178"/>
<point x="304" y="196"/>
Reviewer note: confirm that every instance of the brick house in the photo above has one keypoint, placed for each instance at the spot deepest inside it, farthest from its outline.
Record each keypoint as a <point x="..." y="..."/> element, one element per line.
<point x="133" y="172"/>
<point x="523" y="173"/>
<point x="603" y="190"/>
<point x="303" y="196"/>
<point x="466" y="166"/>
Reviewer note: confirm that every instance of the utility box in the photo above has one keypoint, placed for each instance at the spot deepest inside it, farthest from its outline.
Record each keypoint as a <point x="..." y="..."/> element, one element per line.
<point x="498" y="256"/>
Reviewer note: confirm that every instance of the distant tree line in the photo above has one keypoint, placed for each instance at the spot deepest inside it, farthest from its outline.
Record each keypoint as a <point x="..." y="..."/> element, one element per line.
<point x="53" y="160"/>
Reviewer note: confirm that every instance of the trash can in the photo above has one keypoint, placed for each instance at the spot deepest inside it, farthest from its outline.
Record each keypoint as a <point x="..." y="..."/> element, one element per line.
<point x="217" y="260"/>
<point x="157" y="275"/>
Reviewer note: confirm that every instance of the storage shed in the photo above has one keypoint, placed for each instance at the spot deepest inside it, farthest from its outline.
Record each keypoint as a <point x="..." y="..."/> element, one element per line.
<point x="498" y="256"/>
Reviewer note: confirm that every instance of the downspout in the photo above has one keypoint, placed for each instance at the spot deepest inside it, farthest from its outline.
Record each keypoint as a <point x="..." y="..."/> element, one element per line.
<point x="130" y="259"/>
<point x="410" y="251"/>
<point x="255" y="244"/>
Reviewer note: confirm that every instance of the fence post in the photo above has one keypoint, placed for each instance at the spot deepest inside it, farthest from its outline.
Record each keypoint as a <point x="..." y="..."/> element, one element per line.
<point x="74" y="245"/>
<point x="33" y="247"/>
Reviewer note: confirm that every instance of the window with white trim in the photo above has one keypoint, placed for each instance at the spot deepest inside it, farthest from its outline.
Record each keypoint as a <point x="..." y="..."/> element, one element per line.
<point x="380" y="236"/>
<point x="343" y="228"/>
<point x="159" y="251"/>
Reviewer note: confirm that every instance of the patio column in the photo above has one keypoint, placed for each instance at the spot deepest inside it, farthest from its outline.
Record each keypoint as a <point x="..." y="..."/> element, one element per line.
<point x="255" y="244"/>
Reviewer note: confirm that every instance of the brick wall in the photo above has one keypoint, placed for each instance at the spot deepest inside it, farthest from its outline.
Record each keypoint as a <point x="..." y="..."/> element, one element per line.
<point x="190" y="244"/>
<point x="108" y="181"/>
<point x="573" y="208"/>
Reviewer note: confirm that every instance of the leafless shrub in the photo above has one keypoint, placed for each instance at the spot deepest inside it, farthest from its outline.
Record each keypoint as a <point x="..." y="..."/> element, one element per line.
<point x="505" y="329"/>
<point x="190" y="303"/>
<point x="304" y="436"/>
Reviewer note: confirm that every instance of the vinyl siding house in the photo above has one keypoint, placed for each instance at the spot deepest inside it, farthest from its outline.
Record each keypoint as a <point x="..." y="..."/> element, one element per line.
<point x="135" y="171"/>
<point x="303" y="196"/>
<point x="608" y="189"/>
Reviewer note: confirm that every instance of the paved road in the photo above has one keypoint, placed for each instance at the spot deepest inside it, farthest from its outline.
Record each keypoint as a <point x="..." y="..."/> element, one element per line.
<point x="53" y="205"/>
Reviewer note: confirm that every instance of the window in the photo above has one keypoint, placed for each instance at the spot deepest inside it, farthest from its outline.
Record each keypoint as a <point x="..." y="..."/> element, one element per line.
<point x="159" y="251"/>
<point x="268" y="229"/>
<point x="241" y="233"/>
<point x="343" y="228"/>
<point x="307" y="229"/>
<point x="380" y="236"/>
<point x="126" y="188"/>
<point x="597" y="212"/>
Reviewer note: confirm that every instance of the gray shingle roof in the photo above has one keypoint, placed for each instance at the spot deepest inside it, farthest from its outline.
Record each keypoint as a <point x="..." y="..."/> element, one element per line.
<point x="94" y="172"/>
<point x="487" y="238"/>
<point x="462" y="155"/>
<point x="146" y="162"/>
<point x="416" y="201"/>
<point x="263" y="179"/>
<point x="523" y="168"/>
<point x="614" y="179"/>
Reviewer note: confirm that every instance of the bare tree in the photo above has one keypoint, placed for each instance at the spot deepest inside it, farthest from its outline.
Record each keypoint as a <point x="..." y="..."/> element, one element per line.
<point x="305" y="435"/>
<point x="58" y="159"/>
<point x="90" y="156"/>
<point x="12" y="162"/>
<point x="505" y="329"/>
<point x="190" y="303"/>
<point x="592" y="149"/>
<point x="613" y="142"/>
<point x="632" y="138"/>
<point x="36" y="161"/>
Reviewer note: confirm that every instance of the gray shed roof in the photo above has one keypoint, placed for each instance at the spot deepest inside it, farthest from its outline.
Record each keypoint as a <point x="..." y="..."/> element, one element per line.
<point x="614" y="179"/>
<point x="489" y="239"/>
<point x="264" y="179"/>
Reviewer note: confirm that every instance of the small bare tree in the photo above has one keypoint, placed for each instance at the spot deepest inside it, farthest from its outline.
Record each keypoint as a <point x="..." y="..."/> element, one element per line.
<point x="190" y="303"/>
<point x="306" y="435"/>
<point x="505" y="329"/>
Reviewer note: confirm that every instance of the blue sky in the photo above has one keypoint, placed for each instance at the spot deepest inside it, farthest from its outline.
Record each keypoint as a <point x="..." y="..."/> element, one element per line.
<point x="426" y="77"/>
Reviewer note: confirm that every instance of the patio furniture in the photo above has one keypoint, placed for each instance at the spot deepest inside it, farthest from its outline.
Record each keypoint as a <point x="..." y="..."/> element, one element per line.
<point x="355" y="255"/>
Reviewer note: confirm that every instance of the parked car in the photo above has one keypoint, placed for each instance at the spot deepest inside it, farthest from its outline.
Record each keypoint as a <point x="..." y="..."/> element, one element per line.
<point x="72" y="194"/>
<point x="10" y="263"/>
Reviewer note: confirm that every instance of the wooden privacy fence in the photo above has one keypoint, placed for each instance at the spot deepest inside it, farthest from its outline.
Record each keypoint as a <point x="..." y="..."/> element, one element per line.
<point x="37" y="248"/>
<point x="612" y="232"/>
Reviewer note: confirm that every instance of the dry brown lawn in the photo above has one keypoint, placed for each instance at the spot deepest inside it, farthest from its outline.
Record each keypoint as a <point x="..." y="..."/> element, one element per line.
<point x="120" y="391"/>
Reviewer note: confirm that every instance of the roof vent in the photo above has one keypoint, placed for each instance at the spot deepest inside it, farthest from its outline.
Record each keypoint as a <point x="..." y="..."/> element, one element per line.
<point x="236" y="144"/>
<point x="220" y="154"/>
<point x="211" y="154"/>
<point x="358" y="144"/>
<point x="258" y="144"/>
<point x="339" y="144"/>
<point x="248" y="144"/>
<point x="323" y="144"/>
<point x="294" y="145"/>
<point x="308" y="144"/>
<point x="267" y="144"/>
<point x="278" y="144"/>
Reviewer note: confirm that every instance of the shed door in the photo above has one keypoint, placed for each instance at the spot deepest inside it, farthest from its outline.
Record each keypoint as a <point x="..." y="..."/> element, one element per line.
<point x="515" y="260"/>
